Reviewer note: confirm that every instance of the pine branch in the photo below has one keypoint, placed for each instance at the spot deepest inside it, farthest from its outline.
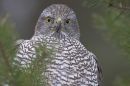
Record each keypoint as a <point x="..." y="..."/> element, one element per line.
<point x="115" y="27"/>
<point x="12" y="73"/>
<point x="119" y="7"/>
<point x="4" y="57"/>
<point x="4" y="52"/>
<point x="110" y="3"/>
<point x="36" y="64"/>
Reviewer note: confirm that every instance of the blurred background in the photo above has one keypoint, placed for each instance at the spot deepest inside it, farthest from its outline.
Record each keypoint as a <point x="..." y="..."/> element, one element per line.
<point x="25" y="13"/>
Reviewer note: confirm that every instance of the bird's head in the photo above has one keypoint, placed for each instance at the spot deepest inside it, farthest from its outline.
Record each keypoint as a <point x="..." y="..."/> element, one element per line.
<point x="58" y="21"/>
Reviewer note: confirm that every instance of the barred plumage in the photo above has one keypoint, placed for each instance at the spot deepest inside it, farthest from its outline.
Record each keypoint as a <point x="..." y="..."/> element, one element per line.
<point x="73" y="65"/>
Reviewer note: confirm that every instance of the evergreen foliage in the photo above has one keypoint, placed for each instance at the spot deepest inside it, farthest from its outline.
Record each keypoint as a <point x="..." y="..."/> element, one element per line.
<point x="116" y="27"/>
<point x="114" y="24"/>
<point x="11" y="73"/>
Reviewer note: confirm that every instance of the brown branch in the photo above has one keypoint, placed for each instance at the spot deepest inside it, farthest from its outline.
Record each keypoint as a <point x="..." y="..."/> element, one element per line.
<point x="4" y="56"/>
<point x="119" y="7"/>
<point x="33" y="69"/>
<point x="7" y="63"/>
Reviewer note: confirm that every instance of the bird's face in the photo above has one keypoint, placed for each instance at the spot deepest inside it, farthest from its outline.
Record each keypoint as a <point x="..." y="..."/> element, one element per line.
<point x="58" y="21"/>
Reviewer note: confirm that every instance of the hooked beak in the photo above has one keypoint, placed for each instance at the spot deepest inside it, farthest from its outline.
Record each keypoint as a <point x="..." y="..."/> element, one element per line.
<point x="58" y="27"/>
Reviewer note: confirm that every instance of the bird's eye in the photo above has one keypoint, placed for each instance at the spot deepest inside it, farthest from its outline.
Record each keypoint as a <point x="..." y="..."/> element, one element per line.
<point x="68" y="21"/>
<point x="48" y="20"/>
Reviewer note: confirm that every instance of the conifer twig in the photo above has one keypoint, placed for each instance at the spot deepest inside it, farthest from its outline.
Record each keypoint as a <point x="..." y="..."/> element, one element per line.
<point x="119" y="7"/>
<point x="116" y="6"/>
<point x="4" y="57"/>
<point x="34" y="69"/>
<point x="7" y="63"/>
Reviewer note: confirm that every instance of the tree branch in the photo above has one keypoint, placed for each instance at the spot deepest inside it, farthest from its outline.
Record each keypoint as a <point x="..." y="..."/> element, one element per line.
<point x="7" y="63"/>
<point x="119" y="7"/>
<point x="4" y="57"/>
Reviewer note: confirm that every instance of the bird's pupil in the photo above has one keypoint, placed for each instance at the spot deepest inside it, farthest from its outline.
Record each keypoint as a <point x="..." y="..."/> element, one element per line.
<point x="68" y="21"/>
<point x="48" y="20"/>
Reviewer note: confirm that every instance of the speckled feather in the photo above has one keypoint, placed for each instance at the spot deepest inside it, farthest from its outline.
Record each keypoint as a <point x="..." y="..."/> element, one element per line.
<point x="73" y="65"/>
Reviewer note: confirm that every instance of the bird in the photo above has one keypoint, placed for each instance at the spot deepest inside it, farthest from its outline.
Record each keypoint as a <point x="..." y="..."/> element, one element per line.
<point x="73" y="64"/>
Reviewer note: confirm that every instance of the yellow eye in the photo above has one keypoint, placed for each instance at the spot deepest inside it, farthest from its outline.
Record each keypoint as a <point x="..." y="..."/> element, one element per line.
<point x="48" y="20"/>
<point x="68" y="21"/>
